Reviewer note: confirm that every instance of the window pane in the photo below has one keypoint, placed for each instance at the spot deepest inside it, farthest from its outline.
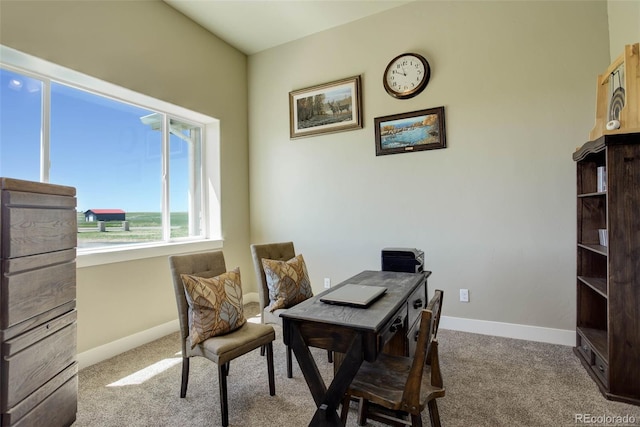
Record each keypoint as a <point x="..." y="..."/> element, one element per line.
<point x="184" y="182"/>
<point x="102" y="147"/>
<point x="111" y="151"/>
<point x="20" y="126"/>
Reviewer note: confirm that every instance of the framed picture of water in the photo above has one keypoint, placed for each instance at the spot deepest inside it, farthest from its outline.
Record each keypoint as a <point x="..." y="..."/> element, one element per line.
<point x="408" y="132"/>
<point x="329" y="107"/>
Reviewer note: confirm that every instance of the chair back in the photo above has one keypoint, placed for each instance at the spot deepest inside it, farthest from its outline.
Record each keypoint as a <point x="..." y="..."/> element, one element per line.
<point x="425" y="353"/>
<point x="207" y="264"/>
<point x="411" y="394"/>
<point x="435" y="305"/>
<point x="279" y="251"/>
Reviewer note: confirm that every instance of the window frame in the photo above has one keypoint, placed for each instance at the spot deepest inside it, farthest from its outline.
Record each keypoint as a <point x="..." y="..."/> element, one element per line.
<point x="211" y="237"/>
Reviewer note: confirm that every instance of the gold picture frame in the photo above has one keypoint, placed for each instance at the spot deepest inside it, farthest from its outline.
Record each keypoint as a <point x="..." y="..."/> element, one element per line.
<point x="330" y="107"/>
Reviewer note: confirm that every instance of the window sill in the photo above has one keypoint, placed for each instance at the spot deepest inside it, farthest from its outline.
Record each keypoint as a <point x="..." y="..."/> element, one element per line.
<point x="93" y="257"/>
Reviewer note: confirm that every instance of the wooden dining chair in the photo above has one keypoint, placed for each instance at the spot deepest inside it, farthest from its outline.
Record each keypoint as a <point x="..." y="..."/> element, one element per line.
<point x="219" y="349"/>
<point x="282" y="251"/>
<point x="435" y="305"/>
<point x="395" y="390"/>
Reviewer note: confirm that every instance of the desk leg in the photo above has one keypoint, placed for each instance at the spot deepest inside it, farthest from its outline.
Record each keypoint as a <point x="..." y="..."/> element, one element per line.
<point x="327" y="400"/>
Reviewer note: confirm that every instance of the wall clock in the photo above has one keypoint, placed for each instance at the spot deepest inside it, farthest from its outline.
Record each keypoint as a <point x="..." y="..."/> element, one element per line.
<point x="406" y="75"/>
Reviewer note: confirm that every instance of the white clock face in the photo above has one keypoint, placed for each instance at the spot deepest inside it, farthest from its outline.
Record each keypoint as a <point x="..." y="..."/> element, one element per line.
<point x="406" y="76"/>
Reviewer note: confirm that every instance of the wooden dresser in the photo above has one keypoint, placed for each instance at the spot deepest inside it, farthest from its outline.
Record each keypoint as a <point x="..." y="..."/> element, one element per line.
<point x="38" y="372"/>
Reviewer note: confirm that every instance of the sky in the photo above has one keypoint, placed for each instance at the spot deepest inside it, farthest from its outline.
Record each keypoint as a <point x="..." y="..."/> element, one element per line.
<point x="97" y="145"/>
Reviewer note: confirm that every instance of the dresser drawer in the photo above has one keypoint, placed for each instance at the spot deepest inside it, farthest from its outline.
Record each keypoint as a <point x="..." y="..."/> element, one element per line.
<point x="54" y="403"/>
<point x="37" y="223"/>
<point x="601" y="369"/>
<point x="412" y="338"/>
<point x="395" y="325"/>
<point x="416" y="302"/>
<point x="35" y="357"/>
<point x="392" y="337"/>
<point x="58" y="409"/>
<point x="34" y="284"/>
<point x="585" y="349"/>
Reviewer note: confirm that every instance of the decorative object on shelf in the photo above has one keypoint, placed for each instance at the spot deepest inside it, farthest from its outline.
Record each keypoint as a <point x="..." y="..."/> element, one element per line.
<point x="406" y="75"/>
<point x="616" y="104"/>
<point x="407" y="132"/>
<point x="603" y="237"/>
<point x="618" y="95"/>
<point x="325" y="108"/>
<point x="602" y="179"/>
<point x="613" y="124"/>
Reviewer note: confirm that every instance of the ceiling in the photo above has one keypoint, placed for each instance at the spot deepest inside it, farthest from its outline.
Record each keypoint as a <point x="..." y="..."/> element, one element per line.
<point x="252" y="26"/>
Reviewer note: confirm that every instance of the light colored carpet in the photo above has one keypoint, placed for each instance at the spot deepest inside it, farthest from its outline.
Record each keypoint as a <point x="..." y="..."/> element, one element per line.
<point x="490" y="381"/>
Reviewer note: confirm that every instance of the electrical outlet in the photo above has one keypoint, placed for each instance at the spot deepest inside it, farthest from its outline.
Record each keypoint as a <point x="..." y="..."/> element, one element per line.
<point x="464" y="295"/>
<point x="327" y="283"/>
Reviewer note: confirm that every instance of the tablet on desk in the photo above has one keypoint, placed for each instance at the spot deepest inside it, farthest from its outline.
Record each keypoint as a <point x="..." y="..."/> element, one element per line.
<point x="354" y="295"/>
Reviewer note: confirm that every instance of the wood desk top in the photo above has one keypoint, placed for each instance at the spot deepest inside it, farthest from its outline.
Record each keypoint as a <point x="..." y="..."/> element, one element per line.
<point x="371" y="319"/>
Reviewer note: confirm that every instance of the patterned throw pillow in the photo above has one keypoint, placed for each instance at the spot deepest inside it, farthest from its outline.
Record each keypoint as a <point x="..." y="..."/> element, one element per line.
<point x="215" y="305"/>
<point x="288" y="282"/>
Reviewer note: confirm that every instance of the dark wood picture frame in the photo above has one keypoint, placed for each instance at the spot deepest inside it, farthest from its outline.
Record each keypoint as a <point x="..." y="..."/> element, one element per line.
<point x="330" y="107"/>
<point x="408" y="132"/>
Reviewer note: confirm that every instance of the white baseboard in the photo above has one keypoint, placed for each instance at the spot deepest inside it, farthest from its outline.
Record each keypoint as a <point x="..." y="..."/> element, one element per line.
<point x="484" y="327"/>
<point x="250" y="297"/>
<point x="510" y="330"/>
<point x="106" y="351"/>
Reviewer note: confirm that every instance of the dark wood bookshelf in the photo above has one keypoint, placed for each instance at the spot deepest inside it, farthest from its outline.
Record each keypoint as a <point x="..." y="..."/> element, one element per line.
<point x="599" y="249"/>
<point x="599" y="284"/>
<point x="608" y="277"/>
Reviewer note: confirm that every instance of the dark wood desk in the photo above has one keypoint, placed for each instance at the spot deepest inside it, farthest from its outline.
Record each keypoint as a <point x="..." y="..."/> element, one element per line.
<point x="359" y="333"/>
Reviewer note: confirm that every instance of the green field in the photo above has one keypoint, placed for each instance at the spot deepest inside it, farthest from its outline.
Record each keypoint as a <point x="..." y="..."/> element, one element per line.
<point x="143" y="227"/>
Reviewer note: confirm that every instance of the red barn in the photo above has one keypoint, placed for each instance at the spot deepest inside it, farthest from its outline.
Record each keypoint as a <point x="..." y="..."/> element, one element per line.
<point x="104" y="215"/>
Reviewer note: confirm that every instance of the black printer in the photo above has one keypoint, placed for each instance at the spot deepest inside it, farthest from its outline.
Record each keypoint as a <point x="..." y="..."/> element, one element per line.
<point x="408" y="260"/>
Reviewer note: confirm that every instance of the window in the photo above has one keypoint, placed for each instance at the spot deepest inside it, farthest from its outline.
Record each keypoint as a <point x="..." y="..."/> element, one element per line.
<point x="138" y="167"/>
<point x="20" y="125"/>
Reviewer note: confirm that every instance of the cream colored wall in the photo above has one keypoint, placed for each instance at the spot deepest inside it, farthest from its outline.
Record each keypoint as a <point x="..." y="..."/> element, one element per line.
<point x="624" y="25"/>
<point x="148" y="47"/>
<point x="495" y="210"/>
